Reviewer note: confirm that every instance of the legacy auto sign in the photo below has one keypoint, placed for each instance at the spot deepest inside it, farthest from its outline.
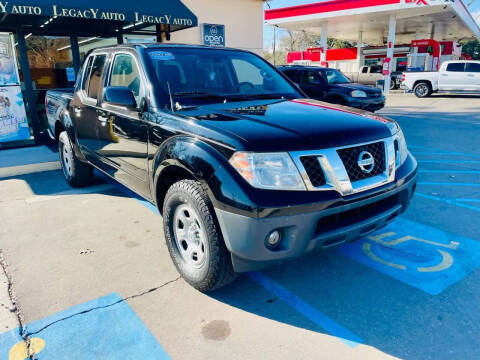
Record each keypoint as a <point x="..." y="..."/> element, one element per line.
<point x="213" y="35"/>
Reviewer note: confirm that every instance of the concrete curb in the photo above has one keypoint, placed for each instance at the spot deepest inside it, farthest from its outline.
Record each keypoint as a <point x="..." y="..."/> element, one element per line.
<point x="29" y="169"/>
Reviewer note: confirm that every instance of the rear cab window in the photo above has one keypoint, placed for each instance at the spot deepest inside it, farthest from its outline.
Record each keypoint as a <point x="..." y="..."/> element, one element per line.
<point x="456" y="67"/>
<point x="92" y="78"/>
<point x="473" y="67"/>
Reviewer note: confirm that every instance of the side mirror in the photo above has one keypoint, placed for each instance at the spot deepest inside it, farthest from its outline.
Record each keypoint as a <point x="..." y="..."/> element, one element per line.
<point x="119" y="96"/>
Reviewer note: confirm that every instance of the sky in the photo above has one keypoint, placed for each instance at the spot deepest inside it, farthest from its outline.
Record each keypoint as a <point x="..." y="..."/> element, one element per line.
<point x="268" y="30"/>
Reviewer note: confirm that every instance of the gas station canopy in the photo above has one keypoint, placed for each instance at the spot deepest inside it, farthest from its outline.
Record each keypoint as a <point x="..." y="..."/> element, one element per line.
<point x="345" y="19"/>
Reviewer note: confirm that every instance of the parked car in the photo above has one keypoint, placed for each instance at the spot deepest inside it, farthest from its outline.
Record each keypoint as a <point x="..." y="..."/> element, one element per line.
<point x="369" y="75"/>
<point x="332" y="86"/>
<point x="459" y="77"/>
<point x="245" y="170"/>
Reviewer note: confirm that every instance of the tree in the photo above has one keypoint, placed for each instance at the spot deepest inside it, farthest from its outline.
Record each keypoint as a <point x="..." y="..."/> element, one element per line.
<point x="301" y="40"/>
<point x="471" y="48"/>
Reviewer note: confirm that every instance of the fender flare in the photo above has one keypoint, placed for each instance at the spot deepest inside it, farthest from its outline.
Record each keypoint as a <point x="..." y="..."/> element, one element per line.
<point x="205" y="164"/>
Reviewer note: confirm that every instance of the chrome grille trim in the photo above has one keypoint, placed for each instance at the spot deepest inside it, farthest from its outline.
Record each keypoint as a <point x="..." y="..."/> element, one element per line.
<point x="335" y="173"/>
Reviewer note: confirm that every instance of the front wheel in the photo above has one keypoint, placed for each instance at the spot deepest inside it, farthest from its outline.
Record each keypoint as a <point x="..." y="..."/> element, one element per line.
<point x="76" y="172"/>
<point x="393" y="84"/>
<point x="422" y="89"/>
<point x="194" y="238"/>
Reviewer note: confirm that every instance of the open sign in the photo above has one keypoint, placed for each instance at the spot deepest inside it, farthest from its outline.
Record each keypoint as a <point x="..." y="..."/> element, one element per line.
<point x="213" y="35"/>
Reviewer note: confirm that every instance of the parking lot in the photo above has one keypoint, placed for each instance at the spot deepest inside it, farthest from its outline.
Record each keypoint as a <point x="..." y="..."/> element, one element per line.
<point x="93" y="278"/>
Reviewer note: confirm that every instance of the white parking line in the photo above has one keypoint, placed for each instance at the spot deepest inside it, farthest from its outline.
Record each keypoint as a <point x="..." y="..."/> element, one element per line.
<point x="89" y="190"/>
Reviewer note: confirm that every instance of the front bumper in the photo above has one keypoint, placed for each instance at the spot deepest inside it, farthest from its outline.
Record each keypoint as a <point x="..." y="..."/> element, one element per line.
<point x="305" y="231"/>
<point x="369" y="104"/>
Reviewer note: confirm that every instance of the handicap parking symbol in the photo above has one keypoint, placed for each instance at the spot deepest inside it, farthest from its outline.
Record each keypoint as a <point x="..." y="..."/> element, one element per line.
<point x="104" y="328"/>
<point x="416" y="254"/>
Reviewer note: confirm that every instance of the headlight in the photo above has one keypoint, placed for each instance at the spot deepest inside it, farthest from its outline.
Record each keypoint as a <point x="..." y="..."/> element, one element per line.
<point x="275" y="171"/>
<point x="401" y="151"/>
<point x="359" y="94"/>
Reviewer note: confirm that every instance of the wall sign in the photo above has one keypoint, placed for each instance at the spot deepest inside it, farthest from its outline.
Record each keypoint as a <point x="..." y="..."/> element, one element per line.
<point x="213" y="35"/>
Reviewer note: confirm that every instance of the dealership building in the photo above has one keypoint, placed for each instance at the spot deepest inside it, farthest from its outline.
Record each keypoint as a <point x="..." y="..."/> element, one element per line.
<point x="43" y="43"/>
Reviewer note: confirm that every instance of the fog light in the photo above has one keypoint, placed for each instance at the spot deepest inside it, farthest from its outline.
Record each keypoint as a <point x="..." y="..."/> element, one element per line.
<point x="273" y="239"/>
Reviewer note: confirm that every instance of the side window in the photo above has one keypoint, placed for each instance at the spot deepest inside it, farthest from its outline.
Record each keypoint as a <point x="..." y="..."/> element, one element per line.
<point x="456" y="67"/>
<point x="290" y="74"/>
<point x="86" y="73"/>
<point x="95" y="77"/>
<point x="375" y="70"/>
<point x="473" y="67"/>
<point x="303" y="77"/>
<point x="365" y="70"/>
<point x="312" y="78"/>
<point x="125" y="72"/>
<point x="247" y="72"/>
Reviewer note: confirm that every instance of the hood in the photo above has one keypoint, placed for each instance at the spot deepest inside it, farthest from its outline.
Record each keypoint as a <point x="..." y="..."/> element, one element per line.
<point x="291" y="125"/>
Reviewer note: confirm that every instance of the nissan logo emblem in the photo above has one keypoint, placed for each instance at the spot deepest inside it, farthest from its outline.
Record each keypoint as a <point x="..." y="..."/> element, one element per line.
<point x="213" y="30"/>
<point x="366" y="162"/>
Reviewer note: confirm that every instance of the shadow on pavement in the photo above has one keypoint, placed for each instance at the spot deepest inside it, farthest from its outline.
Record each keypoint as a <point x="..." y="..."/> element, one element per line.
<point x="389" y="315"/>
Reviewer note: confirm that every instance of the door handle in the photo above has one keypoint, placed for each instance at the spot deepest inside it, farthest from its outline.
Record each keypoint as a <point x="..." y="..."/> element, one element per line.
<point x="102" y="117"/>
<point x="470" y="75"/>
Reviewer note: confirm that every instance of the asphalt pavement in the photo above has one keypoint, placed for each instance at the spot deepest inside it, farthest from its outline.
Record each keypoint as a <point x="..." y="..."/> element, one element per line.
<point x="93" y="279"/>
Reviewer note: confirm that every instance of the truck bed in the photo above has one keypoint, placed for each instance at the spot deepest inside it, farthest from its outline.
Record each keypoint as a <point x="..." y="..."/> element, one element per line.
<point x="56" y="101"/>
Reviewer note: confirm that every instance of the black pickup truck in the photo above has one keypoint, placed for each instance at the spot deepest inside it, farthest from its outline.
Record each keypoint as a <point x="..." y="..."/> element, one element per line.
<point x="330" y="85"/>
<point x="245" y="170"/>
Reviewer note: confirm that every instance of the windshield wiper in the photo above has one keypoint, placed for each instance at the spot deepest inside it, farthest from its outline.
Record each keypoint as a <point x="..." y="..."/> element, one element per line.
<point x="255" y="96"/>
<point x="198" y="94"/>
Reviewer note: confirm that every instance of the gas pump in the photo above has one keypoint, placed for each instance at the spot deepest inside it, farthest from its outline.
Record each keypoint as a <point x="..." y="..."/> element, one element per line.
<point x="428" y="61"/>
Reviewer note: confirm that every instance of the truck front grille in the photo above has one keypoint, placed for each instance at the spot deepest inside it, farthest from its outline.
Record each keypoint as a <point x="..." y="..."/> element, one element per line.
<point x="314" y="170"/>
<point x="350" y="157"/>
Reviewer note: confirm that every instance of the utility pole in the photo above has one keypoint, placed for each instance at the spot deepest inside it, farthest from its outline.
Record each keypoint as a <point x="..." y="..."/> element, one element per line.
<point x="274" y="44"/>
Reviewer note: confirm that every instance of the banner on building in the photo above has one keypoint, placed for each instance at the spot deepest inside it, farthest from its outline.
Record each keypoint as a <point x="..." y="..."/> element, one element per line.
<point x="13" y="119"/>
<point x="8" y="61"/>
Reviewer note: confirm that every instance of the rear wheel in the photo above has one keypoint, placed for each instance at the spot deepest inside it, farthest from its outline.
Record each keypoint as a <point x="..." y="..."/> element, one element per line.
<point x="194" y="238"/>
<point x="76" y="172"/>
<point x="422" y="89"/>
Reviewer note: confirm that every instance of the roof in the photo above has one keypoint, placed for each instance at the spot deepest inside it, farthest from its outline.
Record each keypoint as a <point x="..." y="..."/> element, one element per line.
<point x="445" y="19"/>
<point x="95" y="18"/>
<point x="303" y="67"/>
<point x="166" y="45"/>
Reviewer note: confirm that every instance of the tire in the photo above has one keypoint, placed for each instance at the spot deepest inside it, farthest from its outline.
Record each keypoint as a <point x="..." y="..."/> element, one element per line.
<point x="422" y="89"/>
<point x="393" y="84"/>
<point x="194" y="238"/>
<point x="76" y="172"/>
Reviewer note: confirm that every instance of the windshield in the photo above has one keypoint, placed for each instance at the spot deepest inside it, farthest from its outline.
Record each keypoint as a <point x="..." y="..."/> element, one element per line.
<point x="196" y="76"/>
<point x="336" y="77"/>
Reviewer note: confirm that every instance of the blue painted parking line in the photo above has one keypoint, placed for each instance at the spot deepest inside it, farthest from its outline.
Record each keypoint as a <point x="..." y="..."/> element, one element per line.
<point x="419" y="255"/>
<point x="447" y="183"/>
<point x="456" y="202"/>
<point x="428" y="171"/>
<point x="450" y="161"/>
<point x="421" y="149"/>
<point x="105" y="328"/>
<point x="329" y="325"/>
<point x="445" y="153"/>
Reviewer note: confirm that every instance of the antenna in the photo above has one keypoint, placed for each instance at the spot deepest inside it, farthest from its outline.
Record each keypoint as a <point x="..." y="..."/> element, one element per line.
<point x="170" y="95"/>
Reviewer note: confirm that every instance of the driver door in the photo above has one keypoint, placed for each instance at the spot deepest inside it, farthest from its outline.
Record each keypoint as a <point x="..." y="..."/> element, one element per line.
<point x="123" y="134"/>
<point x="313" y="84"/>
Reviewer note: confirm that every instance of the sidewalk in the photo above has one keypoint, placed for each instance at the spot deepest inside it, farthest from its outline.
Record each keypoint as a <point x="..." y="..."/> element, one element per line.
<point x="15" y="162"/>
